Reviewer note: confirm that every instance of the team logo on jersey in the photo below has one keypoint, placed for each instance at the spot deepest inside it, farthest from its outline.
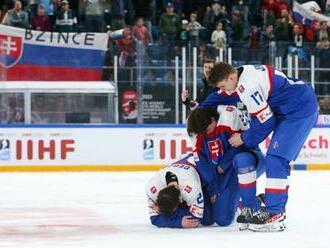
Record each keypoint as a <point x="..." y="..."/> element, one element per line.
<point x="153" y="189"/>
<point x="4" y="149"/>
<point x="11" y="48"/>
<point x="241" y="88"/>
<point x="215" y="148"/>
<point x="187" y="189"/>
<point x="229" y="109"/>
<point x="196" y="158"/>
<point x="196" y="211"/>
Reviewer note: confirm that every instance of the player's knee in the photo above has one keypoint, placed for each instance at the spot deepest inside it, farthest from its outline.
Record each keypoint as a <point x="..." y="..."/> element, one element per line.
<point x="224" y="221"/>
<point x="277" y="167"/>
<point x="244" y="162"/>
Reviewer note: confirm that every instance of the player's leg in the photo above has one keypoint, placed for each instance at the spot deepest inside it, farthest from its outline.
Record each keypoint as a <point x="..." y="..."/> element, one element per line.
<point x="225" y="206"/>
<point x="208" y="214"/>
<point x="249" y="166"/>
<point x="287" y="141"/>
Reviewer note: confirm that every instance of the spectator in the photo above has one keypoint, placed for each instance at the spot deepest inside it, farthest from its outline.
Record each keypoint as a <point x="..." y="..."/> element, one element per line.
<point x="323" y="33"/>
<point x="219" y="37"/>
<point x="296" y="47"/>
<point x="93" y="11"/>
<point x="270" y="18"/>
<point x="40" y="21"/>
<point x="183" y="33"/>
<point x="324" y="43"/>
<point x="117" y="14"/>
<point x="143" y="8"/>
<point x="214" y="14"/>
<point x="168" y="25"/>
<point x="243" y="9"/>
<point x="17" y="117"/>
<point x="237" y="26"/>
<point x="276" y="6"/>
<point x="126" y="49"/>
<point x="16" y="17"/>
<point x="323" y="54"/>
<point x="203" y="53"/>
<point x="194" y="26"/>
<point x="204" y="92"/>
<point x="32" y="9"/>
<point x="253" y="44"/>
<point x="140" y="32"/>
<point x="66" y="20"/>
<point x="283" y="27"/>
<point x="50" y="9"/>
<point x="267" y="41"/>
<point x="5" y="109"/>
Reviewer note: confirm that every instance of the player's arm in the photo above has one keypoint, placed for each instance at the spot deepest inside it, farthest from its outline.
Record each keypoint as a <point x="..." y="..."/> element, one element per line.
<point x="258" y="131"/>
<point x="262" y="119"/>
<point x="207" y="174"/>
<point x="226" y="161"/>
<point x="219" y="98"/>
<point x="181" y="218"/>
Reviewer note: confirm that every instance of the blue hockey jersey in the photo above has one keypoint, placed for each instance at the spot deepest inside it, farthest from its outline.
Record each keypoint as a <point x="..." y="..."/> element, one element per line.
<point x="269" y="95"/>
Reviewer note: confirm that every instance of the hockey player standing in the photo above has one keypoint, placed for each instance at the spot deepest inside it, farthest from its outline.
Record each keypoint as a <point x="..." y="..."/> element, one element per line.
<point x="286" y="106"/>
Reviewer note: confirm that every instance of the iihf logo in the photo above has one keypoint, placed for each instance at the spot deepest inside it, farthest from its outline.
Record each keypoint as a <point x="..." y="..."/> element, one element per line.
<point x="4" y="149"/>
<point x="11" y="48"/>
<point x="148" y="149"/>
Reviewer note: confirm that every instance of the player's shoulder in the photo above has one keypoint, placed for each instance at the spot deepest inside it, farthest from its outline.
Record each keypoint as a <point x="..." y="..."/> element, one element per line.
<point x="230" y="117"/>
<point x="155" y="184"/>
<point x="190" y="189"/>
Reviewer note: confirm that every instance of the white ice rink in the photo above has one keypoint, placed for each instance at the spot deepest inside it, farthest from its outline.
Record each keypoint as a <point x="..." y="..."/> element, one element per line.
<point x="109" y="210"/>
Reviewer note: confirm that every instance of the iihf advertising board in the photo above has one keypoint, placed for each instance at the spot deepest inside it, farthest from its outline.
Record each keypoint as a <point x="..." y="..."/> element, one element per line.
<point x="120" y="146"/>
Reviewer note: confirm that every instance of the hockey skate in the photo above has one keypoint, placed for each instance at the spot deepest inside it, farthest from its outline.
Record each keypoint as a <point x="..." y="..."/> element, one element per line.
<point x="244" y="218"/>
<point x="246" y="214"/>
<point x="261" y="199"/>
<point x="264" y="221"/>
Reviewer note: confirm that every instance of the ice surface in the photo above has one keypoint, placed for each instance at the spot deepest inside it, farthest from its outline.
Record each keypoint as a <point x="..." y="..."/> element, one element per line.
<point x="109" y="210"/>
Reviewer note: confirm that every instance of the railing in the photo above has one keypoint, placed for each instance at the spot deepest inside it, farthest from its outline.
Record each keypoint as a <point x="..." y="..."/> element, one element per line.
<point x="148" y="85"/>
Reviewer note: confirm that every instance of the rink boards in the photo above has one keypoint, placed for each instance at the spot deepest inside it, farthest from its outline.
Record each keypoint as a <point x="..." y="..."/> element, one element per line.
<point x="120" y="147"/>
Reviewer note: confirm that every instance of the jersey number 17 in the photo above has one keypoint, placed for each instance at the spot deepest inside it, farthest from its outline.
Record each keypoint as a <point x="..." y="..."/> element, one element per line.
<point x="257" y="97"/>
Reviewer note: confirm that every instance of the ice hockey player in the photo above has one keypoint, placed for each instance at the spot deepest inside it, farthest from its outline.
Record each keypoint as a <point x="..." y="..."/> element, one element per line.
<point x="228" y="173"/>
<point x="285" y="106"/>
<point x="175" y="197"/>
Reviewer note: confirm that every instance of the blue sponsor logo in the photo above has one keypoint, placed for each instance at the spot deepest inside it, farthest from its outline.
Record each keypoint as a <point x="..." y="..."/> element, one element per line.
<point x="148" y="149"/>
<point x="4" y="149"/>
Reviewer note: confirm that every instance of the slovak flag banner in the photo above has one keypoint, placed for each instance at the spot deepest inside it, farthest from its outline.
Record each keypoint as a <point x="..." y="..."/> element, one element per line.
<point x="304" y="14"/>
<point x="34" y="55"/>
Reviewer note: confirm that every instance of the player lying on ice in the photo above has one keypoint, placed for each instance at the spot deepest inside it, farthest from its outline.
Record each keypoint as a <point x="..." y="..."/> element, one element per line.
<point x="177" y="198"/>
<point x="285" y="106"/>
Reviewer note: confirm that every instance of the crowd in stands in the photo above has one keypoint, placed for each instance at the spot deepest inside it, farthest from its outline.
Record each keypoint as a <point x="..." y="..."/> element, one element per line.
<point x="255" y="25"/>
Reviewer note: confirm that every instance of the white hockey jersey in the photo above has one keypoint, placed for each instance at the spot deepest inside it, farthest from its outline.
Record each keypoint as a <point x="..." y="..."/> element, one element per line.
<point x="254" y="88"/>
<point x="231" y="116"/>
<point x="189" y="184"/>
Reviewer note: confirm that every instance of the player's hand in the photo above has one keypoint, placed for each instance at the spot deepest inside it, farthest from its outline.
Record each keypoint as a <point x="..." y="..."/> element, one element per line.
<point x="236" y="140"/>
<point x="213" y="198"/>
<point x="184" y="95"/>
<point x="154" y="207"/>
<point x="189" y="222"/>
<point x="220" y="170"/>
